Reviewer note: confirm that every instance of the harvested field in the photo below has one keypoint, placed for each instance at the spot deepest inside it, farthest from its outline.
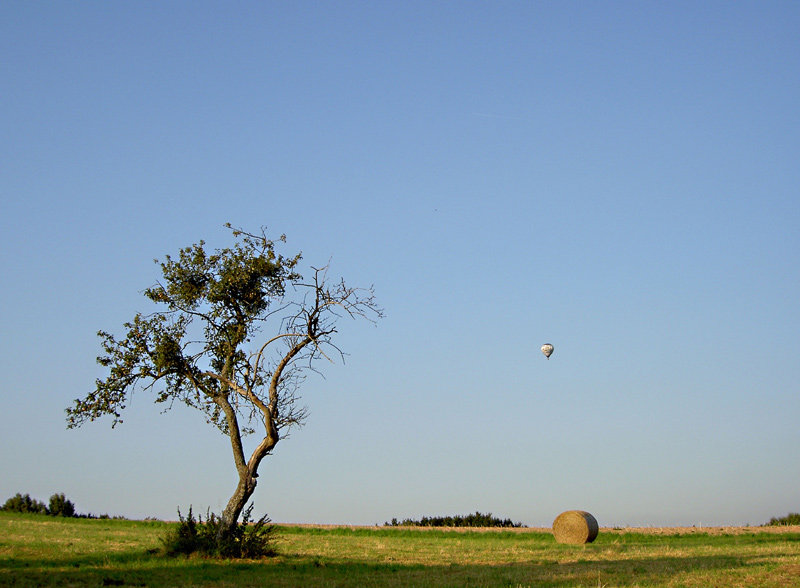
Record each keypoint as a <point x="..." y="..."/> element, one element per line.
<point x="706" y="530"/>
<point x="730" y="530"/>
<point x="37" y="550"/>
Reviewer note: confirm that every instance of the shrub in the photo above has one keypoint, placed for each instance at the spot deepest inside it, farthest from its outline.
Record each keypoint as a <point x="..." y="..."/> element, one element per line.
<point x="61" y="507"/>
<point x="793" y="518"/>
<point x="246" y="540"/>
<point x="472" y="520"/>
<point x="20" y="503"/>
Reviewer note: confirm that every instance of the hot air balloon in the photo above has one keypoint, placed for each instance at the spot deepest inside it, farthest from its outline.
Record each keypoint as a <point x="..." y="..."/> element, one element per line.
<point x="547" y="349"/>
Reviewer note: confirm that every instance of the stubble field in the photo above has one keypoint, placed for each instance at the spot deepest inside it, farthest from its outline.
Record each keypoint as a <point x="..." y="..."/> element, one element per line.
<point x="46" y="551"/>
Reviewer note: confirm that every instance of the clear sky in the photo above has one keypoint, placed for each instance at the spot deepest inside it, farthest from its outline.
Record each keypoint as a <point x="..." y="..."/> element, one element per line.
<point x="619" y="179"/>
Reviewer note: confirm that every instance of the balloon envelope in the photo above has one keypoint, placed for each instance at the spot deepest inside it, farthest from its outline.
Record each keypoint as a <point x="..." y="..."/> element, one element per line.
<point x="547" y="349"/>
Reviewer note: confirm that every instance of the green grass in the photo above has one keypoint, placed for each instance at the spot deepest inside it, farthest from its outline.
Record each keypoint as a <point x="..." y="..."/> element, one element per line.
<point x="37" y="550"/>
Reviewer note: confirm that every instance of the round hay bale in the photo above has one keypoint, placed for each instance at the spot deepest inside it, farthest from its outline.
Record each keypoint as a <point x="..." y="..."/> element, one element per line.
<point x="576" y="527"/>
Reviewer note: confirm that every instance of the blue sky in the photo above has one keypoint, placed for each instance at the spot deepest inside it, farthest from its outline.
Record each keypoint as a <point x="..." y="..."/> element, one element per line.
<point x="620" y="179"/>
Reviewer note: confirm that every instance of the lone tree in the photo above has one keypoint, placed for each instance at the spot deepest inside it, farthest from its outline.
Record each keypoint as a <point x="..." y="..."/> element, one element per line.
<point x="199" y="347"/>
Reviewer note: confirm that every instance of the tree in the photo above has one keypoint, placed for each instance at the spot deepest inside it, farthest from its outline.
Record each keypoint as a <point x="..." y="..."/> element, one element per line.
<point x="61" y="506"/>
<point x="20" y="503"/>
<point x="200" y="349"/>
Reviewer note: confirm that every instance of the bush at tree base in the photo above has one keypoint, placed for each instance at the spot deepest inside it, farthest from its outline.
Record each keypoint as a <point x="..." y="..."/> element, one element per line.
<point x="244" y="540"/>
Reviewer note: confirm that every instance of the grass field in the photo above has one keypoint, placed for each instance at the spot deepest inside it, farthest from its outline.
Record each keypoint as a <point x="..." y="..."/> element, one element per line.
<point x="37" y="550"/>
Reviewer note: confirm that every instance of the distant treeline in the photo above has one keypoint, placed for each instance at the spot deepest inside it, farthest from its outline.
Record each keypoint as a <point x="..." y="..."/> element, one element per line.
<point x="793" y="518"/>
<point x="59" y="506"/>
<point x="473" y="520"/>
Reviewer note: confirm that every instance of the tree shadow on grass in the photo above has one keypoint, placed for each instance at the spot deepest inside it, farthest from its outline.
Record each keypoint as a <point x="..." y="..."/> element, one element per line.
<point x="143" y="569"/>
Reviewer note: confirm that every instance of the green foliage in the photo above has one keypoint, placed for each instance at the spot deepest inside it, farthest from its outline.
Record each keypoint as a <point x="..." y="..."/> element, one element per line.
<point x="20" y="503"/>
<point x="103" y="517"/>
<point x="212" y="538"/>
<point x="60" y="506"/>
<point x="793" y="518"/>
<point x="472" y="520"/>
<point x="197" y="348"/>
<point x="228" y="293"/>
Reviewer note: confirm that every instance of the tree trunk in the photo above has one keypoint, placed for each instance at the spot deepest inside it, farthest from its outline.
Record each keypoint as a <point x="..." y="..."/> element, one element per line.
<point x="232" y="512"/>
<point x="247" y="480"/>
<point x="248" y="471"/>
